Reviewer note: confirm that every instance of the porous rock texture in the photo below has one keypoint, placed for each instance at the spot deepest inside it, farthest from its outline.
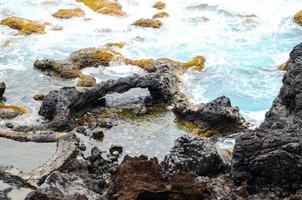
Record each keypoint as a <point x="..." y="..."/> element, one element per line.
<point x="269" y="158"/>
<point x="195" y="155"/>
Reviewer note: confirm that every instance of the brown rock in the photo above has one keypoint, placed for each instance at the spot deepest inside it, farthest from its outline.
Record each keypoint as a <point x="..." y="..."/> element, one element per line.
<point x="140" y="178"/>
<point x="104" y="7"/>
<point x="39" y="97"/>
<point x="159" y="5"/>
<point x="298" y="17"/>
<point x="25" y="26"/>
<point x="162" y="14"/>
<point x="69" y="13"/>
<point x="150" y="23"/>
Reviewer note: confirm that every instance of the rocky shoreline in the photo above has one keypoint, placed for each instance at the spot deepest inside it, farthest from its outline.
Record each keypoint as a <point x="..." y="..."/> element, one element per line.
<point x="265" y="163"/>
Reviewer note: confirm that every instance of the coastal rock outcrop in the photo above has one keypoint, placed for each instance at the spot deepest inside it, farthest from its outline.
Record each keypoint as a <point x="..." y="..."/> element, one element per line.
<point x="215" y="116"/>
<point x="94" y="57"/>
<point x="105" y="7"/>
<point x="69" y="13"/>
<point x="269" y="158"/>
<point x="62" y="106"/>
<point x="298" y="17"/>
<point x="162" y="14"/>
<point x="159" y="5"/>
<point x="286" y="108"/>
<point x="149" y="23"/>
<point x="195" y="155"/>
<point x="25" y="26"/>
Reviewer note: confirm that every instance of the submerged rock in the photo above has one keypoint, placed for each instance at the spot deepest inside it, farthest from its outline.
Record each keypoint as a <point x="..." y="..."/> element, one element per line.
<point x="298" y="17"/>
<point x="25" y="26"/>
<point x="69" y="13"/>
<point x="159" y="5"/>
<point x="149" y="23"/>
<point x="105" y="7"/>
<point x="160" y="15"/>
<point x="195" y="155"/>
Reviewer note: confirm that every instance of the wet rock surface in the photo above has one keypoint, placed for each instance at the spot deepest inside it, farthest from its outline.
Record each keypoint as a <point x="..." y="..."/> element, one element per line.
<point x="195" y="155"/>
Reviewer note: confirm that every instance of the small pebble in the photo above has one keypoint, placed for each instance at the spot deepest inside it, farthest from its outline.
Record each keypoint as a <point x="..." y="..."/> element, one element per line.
<point x="9" y="125"/>
<point x="97" y="134"/>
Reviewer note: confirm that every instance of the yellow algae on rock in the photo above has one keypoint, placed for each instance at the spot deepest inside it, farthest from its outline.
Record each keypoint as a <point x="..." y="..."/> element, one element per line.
<point x="142" y="63"/>
<point x="105" y="7"/>
<point x="159" y="5"/>
<point x="69" y="13"/>
<point x="13" y="107"/>
<point x="150" y="23"/>
<point x="9" y="111"/>
<point x="115" y="44"/>
<point x="298" y="17"/>
<point x="86" y="81"/>
<point x="196" y="63"/>
<point x="162" y="14"/>
<point x="93" y="56"/>
<point x="25" y="26"/>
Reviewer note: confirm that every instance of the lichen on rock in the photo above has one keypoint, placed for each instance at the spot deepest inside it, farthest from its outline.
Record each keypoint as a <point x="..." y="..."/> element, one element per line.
<point x="105" y="7"/>
<point x="25" y="26"/>
<point x="149" y="23"/>
<point x="69" y="13"/>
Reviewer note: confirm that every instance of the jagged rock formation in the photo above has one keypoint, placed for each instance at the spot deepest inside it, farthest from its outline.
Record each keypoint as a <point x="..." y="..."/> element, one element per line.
<point x="62" y="106"/>
<point x="286" y="109"/>
<point x="195" y="155"/>
<point x="269" y="158"/>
